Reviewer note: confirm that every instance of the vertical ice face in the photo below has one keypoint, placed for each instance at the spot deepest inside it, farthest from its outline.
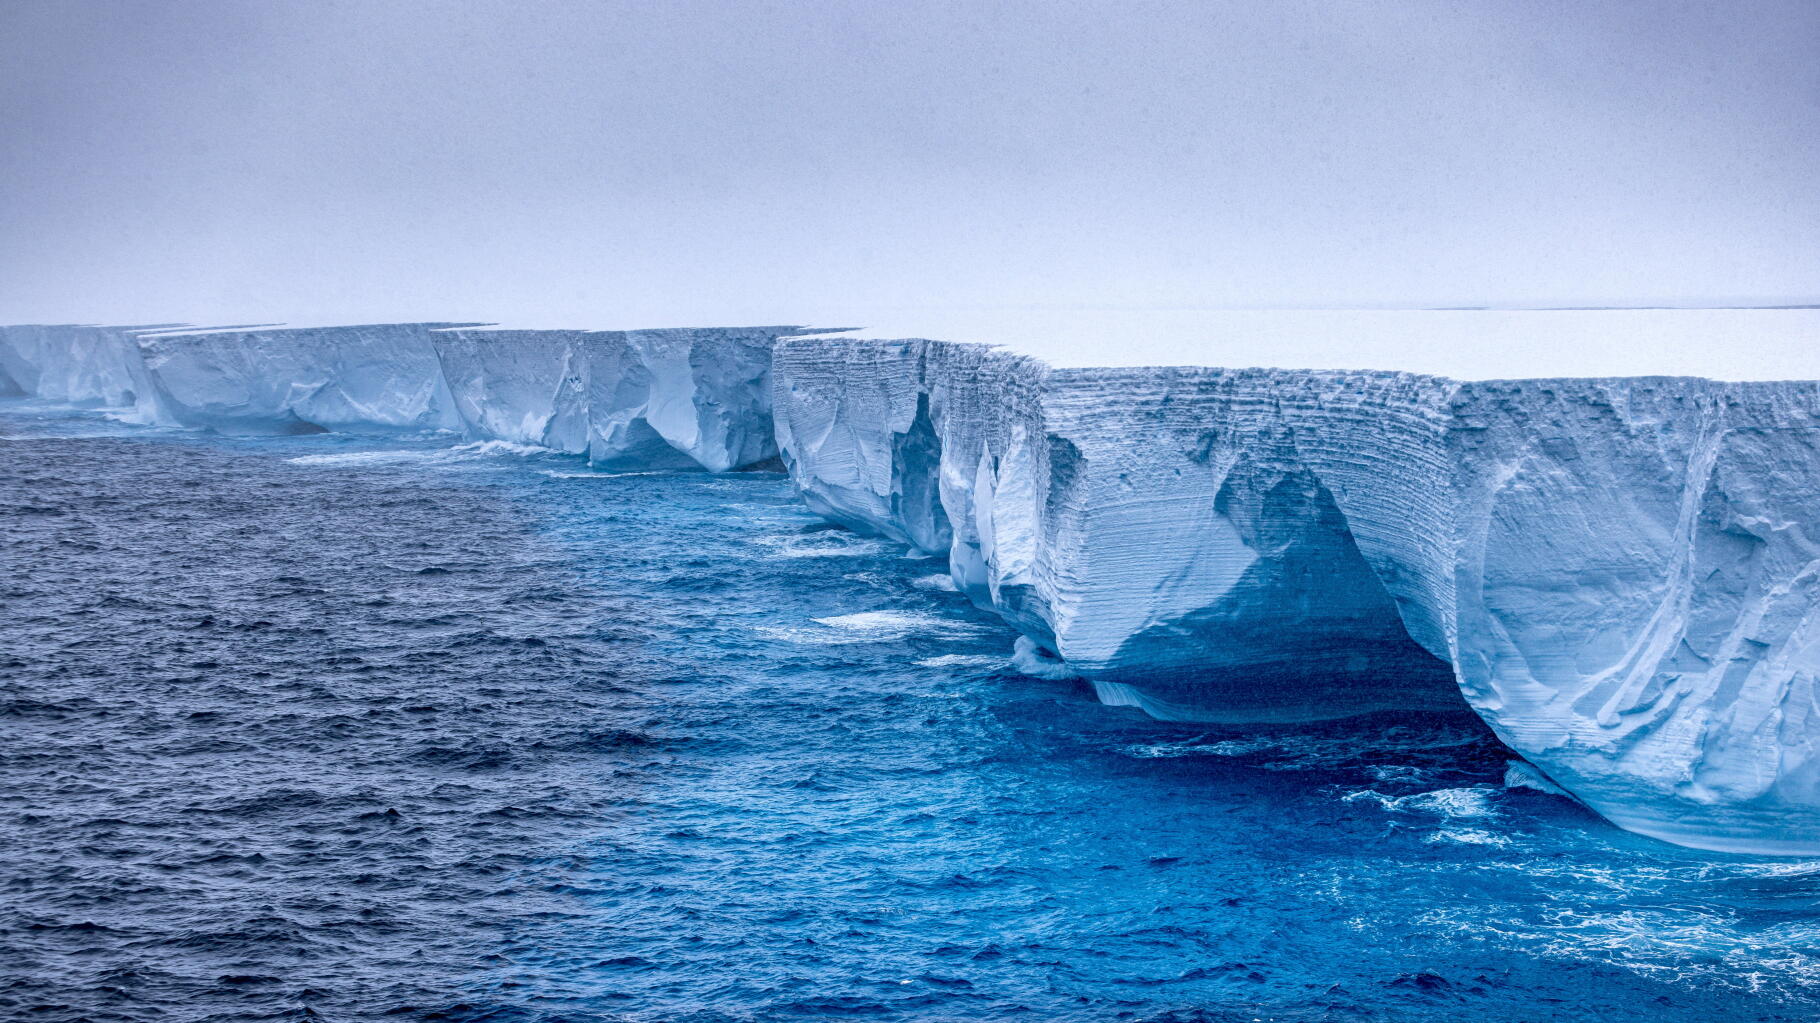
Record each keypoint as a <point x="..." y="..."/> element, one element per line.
<point x="1231" y="550"/>
<point x="78" y="365"/>
<point x="628" y="399"/>
<point x="524" y="386"/>
<point x="849" y="427"/>
<point x="385" y="376"/>
<point x="1638" y="581"/>
<point x="1621" y="576"/>
<point x="1172" y="534"/>
<point x="691" y="396"/>
<point x="684" y="398"/>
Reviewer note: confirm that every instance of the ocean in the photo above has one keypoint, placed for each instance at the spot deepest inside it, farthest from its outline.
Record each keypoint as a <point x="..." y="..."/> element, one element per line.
<point x="339" y="728"/>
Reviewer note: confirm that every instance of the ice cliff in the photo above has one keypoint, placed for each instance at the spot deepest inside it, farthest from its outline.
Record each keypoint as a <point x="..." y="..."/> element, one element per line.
<point x="639" y="398"/>
<point x="1620" y="575"/>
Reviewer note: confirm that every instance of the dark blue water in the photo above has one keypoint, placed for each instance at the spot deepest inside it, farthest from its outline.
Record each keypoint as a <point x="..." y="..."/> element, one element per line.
<point x="321" y="728"/>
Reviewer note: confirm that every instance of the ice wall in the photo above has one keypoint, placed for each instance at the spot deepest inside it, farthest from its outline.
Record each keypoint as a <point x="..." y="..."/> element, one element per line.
<point x="380" y="376"/>
<point x="681" y="398"/>
<point x="1637" y="584"/>
<point x="76" y="365"/>
<point x="1621" y="576"/>
<point x="703" y="392"/>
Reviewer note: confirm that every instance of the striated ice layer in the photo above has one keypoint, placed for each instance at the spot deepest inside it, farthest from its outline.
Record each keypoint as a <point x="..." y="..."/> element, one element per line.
<point x="1622" y="576"/>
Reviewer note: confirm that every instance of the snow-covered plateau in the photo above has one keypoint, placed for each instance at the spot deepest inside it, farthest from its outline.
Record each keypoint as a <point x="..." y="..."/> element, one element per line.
<point x="1620" y="574"/>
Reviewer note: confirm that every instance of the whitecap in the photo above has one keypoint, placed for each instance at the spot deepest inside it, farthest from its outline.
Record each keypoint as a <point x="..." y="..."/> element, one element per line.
<point x="365" y="458"/>
<point x="502" y="447"/>
<point x="871" y="627"/>
<point x="1460" y="803"/>
<point x="1470" y="836"/>
<point x="1799" y="869"/>
<point x="456" y="453"/>
<point x="892" y="624"/>
<point x="962" y="661"/>
<point x="825" y="543"/>
<point x="587" y="475"/>
<point x="941" y="581"/>
<point x="1199" y="748"/>
<point x="1036" y="662"/>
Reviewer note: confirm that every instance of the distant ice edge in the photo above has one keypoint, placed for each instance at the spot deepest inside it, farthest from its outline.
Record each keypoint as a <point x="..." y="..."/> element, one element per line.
<point x="624" y="398"/>
<point x="1621" y="576"/>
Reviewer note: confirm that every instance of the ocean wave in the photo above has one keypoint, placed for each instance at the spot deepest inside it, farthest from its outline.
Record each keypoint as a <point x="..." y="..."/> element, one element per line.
<point x="1683" y="944"/>
<point x="889" y="623"/>
<point x="503" y="447"/>
<point x="1394" y="755"/>
<point x="583" y="474"/>
<point x="358" y="458"/>
<point x="824" y="543"/>
<point x="1199" y="748"/>
<point x="962" y="661"/>
<point x="473" y="451"/>
<point x="881" y="626"/>
<point x="1472" y="802"/>
<point x="1469" y="836"/>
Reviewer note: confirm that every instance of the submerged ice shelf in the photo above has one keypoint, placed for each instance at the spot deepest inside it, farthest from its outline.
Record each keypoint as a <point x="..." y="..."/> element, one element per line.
<point x="1621" y="575"/>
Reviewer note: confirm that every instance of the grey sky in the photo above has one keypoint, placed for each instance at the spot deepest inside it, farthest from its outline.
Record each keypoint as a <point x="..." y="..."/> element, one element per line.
<point x="633" y="164"/>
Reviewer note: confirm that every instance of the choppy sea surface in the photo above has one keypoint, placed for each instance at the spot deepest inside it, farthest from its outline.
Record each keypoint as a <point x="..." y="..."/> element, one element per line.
<point x="326" y="728"/>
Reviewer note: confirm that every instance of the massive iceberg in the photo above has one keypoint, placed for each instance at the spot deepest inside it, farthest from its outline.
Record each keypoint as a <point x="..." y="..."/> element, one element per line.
<point x="1621" y="575"/>
<point x="676" y="398"/>
<point x="75" y="365"/>
<point x="626" y="399"/>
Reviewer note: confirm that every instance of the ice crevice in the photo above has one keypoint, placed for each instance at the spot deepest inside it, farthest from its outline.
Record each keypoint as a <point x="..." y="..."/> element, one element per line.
<point x="1620" y="575"/>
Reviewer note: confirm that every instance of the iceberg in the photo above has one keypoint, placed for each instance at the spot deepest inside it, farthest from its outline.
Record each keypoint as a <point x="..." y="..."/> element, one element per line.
<point x="697" y="398"/>
<point x="79" y="365"/>
<point x="523" y="386"/>
<point x="635" y="399"/>
<point x="286" y="380"/>
<point x="1619" y="573"/>
<point x="701" y="393"/>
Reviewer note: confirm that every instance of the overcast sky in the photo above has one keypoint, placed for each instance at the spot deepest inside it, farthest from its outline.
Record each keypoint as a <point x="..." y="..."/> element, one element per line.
<point x="634" y="164"/>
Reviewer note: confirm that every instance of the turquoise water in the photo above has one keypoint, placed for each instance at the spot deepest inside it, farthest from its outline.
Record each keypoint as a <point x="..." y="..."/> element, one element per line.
<point x="337" y="728"/>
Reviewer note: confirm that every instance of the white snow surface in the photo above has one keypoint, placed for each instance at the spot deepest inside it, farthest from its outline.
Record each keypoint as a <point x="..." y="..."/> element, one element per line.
<point x="1465" y="344"/>
<point x="1620" y="574"/>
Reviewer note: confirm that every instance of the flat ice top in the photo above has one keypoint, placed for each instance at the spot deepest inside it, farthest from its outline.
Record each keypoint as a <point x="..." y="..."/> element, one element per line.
<point x="1465" y="344"/>
<point x="1477" y="344"/>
